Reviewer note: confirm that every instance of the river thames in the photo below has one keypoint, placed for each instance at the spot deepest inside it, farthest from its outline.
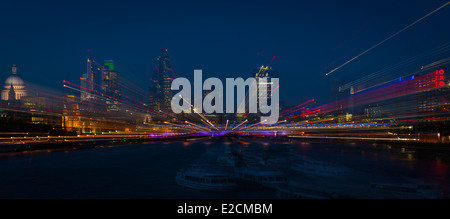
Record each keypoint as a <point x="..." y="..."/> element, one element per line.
<point x="149" y="170"/>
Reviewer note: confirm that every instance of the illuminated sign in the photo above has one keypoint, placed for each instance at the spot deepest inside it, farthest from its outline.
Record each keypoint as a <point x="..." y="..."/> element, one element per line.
<point x="440" y="79"/>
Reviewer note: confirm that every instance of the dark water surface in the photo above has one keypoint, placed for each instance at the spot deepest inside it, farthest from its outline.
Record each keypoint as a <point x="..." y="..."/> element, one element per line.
<point x="149" y="170"/>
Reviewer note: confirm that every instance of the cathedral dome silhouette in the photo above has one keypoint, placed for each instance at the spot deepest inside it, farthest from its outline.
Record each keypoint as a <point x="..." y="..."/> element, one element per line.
<point x="14" y="84"/>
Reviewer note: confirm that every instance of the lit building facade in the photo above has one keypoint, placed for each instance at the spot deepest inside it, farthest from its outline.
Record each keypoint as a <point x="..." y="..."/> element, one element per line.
<point x="420" y="99"/>
<point x="14" y="87"/>
<point x="87" y="81"/>
<point x="110" y="87"/>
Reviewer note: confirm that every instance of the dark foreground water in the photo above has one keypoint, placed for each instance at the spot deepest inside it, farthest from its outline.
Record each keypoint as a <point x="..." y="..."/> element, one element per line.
<point x="149" y="170"/>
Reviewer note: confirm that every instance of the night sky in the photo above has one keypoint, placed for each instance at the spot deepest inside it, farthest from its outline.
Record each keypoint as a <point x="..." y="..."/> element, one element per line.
<point x="49" y="41"/>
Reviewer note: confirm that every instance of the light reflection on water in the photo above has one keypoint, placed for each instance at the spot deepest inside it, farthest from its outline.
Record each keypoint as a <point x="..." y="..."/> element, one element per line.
<point x="148" y="170"/>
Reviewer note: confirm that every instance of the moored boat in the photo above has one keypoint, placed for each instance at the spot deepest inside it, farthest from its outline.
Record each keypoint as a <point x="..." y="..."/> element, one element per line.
<point x="205" y="179"/>
<point x="262" y="176"/>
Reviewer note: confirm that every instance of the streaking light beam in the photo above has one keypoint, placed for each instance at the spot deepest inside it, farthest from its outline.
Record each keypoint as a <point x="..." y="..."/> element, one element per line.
<point x="390" y="37"/>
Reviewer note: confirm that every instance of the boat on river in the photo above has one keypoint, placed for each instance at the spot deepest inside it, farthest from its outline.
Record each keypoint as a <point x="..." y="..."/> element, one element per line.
<point x="262" y="176"/>
<point x="202" y="178"/>
<point x="315" y="167"/>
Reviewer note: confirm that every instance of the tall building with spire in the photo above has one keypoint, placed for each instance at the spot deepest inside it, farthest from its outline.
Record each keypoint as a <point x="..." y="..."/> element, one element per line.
<point x="160" y="95"/>
<point x="14" y="88"/>
<point x="87" y="80"/>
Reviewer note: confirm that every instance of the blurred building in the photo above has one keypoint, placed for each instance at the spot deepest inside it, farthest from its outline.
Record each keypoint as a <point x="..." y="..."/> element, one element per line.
<point x="110" y="87"/>
<point x="264" y="90"/>
<point x="160" y="94"/>
<point x="14" y="87"/>
<point x="420" y="98"/>
<point x="71" y="119"/>
<point x="88" y="80"/>
<point x="99" y="106"/>
<point x="42" y="110"/>
<point x="154" y="96"/>
<point x="263" y="93"/>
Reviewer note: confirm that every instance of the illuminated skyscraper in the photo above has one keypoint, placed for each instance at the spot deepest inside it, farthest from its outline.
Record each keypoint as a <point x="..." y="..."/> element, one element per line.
<point x="110" y="87"/>
<point x="88" y="79"/>
<point x="154" y="96"/>
<point x="264" y="92"/>
<point x="267" y="73"/>
<point x="160" y="95"/>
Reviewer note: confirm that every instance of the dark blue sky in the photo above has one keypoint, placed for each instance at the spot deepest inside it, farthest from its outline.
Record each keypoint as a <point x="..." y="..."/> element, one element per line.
<point x="49" y="40"/>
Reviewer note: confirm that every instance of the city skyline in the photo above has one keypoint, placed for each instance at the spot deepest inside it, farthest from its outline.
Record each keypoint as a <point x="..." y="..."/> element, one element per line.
<point x="226" y="101"/>
<point x="219" y="44"/>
